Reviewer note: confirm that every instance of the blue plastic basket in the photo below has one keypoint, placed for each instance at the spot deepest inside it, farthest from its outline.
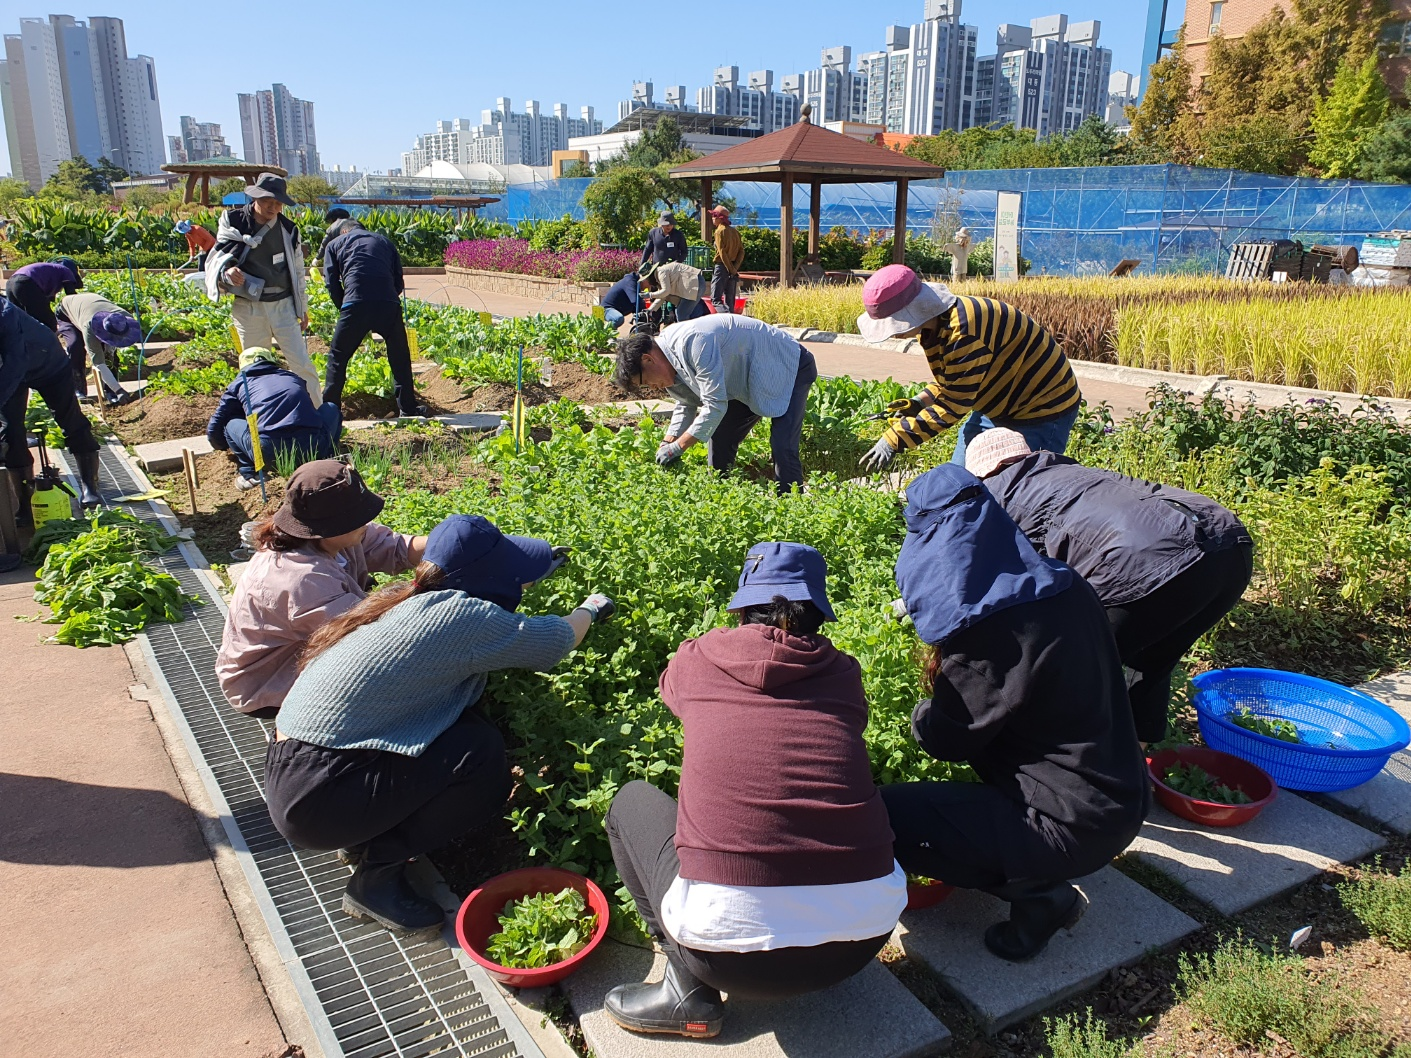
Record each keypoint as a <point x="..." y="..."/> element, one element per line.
<point x="1346" y="736"/>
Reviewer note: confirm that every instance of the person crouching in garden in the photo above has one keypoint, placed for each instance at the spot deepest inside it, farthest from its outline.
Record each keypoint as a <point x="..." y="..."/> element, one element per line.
<point x="1026" y="687"/>
<point x="313" y="562"/>
<point x="286" y="418"/>
<point x="1167" y="564"/>
<point x="380" y="750"/>
<point x="91" y="327"/>
<point x="774" y="875"/>
<point x="726" y="372"/>
<point x="990" y="362"/>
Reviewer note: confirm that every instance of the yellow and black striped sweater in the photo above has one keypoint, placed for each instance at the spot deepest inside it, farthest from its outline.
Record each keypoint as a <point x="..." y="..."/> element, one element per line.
<point x="993" y="359"/>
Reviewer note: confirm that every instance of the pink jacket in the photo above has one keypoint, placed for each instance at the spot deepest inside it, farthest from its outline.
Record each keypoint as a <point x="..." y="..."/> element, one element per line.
<point x="282" y="598"/>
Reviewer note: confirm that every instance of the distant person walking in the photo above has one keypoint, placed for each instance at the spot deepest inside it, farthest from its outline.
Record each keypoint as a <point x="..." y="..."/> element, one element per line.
<point x="363" y="271"/>
<point x="34" y="287"/>
<point x="729" y="256"/>
<point x="259" y="258"/>
<point x="666" y="243"/>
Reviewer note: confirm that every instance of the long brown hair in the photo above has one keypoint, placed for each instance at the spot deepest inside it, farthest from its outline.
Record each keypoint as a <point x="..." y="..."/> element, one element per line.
<point x="931" y="658"/>
<point x="428" y="577"/>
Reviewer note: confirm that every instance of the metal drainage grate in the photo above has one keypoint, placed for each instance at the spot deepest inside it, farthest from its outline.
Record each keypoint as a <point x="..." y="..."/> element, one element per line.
<point x="368" y="993"/>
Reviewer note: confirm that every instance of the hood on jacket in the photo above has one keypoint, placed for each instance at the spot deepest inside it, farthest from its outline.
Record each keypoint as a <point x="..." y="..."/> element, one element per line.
<point x="964" y="558"/>
<point x="767" y="658"/>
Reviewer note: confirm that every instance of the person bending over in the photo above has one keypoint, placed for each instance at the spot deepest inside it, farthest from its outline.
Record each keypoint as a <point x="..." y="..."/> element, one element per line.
<point x="313" y="559"/>
<point x="92" y="327"/>
<point x="1026" y="688"/>
<point x="380" y="751"/>
<point x="774" y="875"/>
<point x="33" y="287"/>
<point x="1166" y="563"/>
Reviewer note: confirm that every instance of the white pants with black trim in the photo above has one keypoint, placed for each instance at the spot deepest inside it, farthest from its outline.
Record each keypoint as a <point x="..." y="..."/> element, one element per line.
<point x="266" y="323"/>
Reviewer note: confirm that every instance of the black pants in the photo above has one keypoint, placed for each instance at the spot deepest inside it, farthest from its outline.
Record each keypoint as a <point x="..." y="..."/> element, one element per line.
<point x="785" y="432"/>
<point x="971" y="835"/>
<point x="56" y="390"/>
<point x="356" y="322"/>
<point x="399" y="806"/>
<point x="25" y="293"/>
<point x="641" y="826"/>
<point x="723" y="287"/>
<point x="1154" y="632"/>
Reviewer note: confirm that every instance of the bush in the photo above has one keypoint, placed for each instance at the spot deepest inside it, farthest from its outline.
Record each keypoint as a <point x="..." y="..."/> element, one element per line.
<point x="517" y="255"/>
<point x="1067" y="1037"/>
<point x="1382" y="903"/>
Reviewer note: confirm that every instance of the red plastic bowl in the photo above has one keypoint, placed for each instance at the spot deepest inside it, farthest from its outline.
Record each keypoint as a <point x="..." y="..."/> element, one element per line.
<point x="478" y="918"/>
<point x="1223" y="768"/>
<point x="926" y="894"/>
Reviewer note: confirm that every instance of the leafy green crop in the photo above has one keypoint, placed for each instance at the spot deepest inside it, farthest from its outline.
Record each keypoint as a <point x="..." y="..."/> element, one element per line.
<point x="192" y="381"/>
<point x="145" y="536"/>
<point x="542" y="930"/>
<point x="1269" y="726"/>
<point x="1194" y="781"/>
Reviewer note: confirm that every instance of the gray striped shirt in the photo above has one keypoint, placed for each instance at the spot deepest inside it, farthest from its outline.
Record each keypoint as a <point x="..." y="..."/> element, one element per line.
<point x="722" y="358"/>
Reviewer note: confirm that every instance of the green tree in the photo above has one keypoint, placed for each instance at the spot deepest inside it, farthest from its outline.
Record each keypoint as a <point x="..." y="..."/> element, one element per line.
<point x="1386" y="154"/>
<point x="75" y="181"/>
<point x="1348" y="116"/>
<point x="619" y="204"/>
<point x="12" y="190"/>
<point x="1094" y="142"/>
<point x="231" y="185"/>
<point x="109" y="173"/>
<point x="310" y="190"/>
<point x="1262" y="142"/>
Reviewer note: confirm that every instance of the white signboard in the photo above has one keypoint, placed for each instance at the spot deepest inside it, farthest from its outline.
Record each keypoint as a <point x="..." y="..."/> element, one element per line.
<point x="1007" y="235"/>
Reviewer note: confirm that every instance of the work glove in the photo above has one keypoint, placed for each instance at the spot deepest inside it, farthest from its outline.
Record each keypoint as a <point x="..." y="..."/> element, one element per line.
<point x="558" y="556"/>
<point x="669" y="453"/>
<point x="899" y="610"/>
<point x="599" y="607"/>
<point x="881" y="454"/>
<point x="905" y="407"/>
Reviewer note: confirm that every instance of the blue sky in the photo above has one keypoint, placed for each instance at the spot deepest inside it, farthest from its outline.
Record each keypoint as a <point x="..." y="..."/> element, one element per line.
<point x="379" y="73"/>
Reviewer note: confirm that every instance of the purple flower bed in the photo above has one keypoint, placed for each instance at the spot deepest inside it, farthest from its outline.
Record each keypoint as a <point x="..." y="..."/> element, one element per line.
<point x="515" y="255"/>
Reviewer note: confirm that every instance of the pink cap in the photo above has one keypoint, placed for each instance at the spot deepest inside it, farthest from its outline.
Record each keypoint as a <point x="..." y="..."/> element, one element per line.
<point x="889" y="290"/>
<point x="993" y="449"/>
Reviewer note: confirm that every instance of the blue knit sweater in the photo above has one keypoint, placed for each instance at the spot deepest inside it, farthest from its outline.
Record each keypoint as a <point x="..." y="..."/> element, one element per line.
<point x="398" y="683"/>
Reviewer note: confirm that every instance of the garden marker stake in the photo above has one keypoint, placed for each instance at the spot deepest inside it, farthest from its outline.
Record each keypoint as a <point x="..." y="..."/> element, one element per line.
<point x="136" y="311"/>
<point x="517" y="412"/>
<point x="255" y="448"/>
<point x="235" y="337"/>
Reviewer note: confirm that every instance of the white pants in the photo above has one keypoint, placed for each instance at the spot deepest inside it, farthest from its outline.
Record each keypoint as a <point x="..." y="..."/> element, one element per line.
<point x="266" y="323"/>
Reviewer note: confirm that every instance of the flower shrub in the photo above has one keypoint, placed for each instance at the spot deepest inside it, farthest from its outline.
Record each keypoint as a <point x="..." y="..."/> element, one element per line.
<point x="519" y="256"/>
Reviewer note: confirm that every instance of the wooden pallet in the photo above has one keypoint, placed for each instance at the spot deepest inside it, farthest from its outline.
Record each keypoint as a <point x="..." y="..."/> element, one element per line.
<point x="1250" y="260"/>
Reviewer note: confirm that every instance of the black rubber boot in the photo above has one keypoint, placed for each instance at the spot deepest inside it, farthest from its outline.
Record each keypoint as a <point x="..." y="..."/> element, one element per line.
<point x="24" y="490"/>
<point x="380" y="891"/>
<point x="88" y="495"/>
<point x="1037" y="910"/>
<point x="679" y="1005"/>
<point x="352" y="855"/>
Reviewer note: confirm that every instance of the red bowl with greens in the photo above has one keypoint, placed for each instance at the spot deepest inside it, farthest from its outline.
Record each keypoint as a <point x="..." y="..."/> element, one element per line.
<point x="479" y="918"/>
<point x="925" y="892"/>
<point x="1176" y="794"/>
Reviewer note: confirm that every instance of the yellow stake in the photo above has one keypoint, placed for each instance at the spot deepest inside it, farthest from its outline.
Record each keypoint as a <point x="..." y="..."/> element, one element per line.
<point x="598" y="312"/>
<point x="235" y="337"/>
<point x="255" y="441"/>
<point x="485" y="319"/>
<point x="414" y="343"/>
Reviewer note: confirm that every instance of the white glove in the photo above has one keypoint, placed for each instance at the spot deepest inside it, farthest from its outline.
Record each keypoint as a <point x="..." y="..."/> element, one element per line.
<point x="599" y="607"/>
<point x="669" y="453"/>
<point x="880" y="455"/>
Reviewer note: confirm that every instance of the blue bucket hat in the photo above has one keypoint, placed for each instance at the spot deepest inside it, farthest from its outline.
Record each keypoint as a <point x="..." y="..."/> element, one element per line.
<point x="117" y="329"/>
<point x="480" y="560"/>
<point x="183" y="226"/>
<point x="795" y="571"/>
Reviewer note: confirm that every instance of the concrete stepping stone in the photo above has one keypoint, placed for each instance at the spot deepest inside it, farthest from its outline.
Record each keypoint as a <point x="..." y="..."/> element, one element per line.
<point x="1234" y="868"/>
<point x="161" y="457"/>
<point x="1124" y="922"/>
<point x="870" y="1014"/>
<point x="1387" y="798"/>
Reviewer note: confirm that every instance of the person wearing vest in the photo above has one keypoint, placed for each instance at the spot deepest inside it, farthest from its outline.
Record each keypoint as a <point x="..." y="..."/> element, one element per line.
<point x="1026" y="687"/>
<point x="991" y="363"/>
<point x="1167" y="564"/>
<point x="773" y="875"/>
<point x="665" y="243"/>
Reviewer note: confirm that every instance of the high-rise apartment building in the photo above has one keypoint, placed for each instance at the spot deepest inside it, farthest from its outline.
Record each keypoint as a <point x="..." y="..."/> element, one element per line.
<point x="925" y="79"/>
<point x="1122" y="91"/>
<point x="503" y="137"/>
<point x="1049" y="76"/>
<point x="198" y="142"/>
<point x="277" y="128"/>
<point x="755" y="100"/>
<point x="70" y="89"/>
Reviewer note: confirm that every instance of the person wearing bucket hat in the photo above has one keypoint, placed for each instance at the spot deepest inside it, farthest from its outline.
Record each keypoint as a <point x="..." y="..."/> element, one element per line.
<point x="773" y="875"/>
<point x="381" y="750"/>
<point x="1026" y="687"/>
<point x="313" y="560"/>
<point x="33" y="287"/>
<point x="90" y="326"/>
<point x="666" y="242"/>
<point x="290" y="427"/>
<point x="199" y="243"/>
<point x="991" y="363"/>
<point x="259" y="258"/>
<point x="1167" y="564"/>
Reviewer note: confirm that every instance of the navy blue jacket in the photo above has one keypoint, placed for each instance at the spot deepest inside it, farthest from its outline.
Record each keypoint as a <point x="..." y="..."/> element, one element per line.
<point x="662" y="248"/>
<point x="622" y="295"/>
<point x="29" y="351"/>
<point x="280" y="399"/>
<point x="362" y="265"/>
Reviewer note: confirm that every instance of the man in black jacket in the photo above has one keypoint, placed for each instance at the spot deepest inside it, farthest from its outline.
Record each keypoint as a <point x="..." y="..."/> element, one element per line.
<point x="364" y="275"/>
<point x="1167" y="564"/>
<point x="665" y="243"/>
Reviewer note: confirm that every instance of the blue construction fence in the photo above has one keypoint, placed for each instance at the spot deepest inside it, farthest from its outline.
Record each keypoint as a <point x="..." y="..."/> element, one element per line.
<point x="1171" y="218"/>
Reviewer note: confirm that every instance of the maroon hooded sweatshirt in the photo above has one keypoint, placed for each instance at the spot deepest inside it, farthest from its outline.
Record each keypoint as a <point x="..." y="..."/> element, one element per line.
<point x="776" y="788"/>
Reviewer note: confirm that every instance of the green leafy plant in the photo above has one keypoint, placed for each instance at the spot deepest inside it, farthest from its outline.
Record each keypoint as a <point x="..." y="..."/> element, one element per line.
<point x="1382" y="903"/>
<point x="189" y="382"/>
<point x="1268" y="726"/>
<point x="542" y="930"/>
<point x="1067" y="1037"/>
<point x="1194" y="781"/>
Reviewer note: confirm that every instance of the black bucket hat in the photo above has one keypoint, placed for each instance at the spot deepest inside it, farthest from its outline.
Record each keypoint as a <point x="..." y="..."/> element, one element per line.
<point x="270" y="185"/>
<point x="326" y="498"/>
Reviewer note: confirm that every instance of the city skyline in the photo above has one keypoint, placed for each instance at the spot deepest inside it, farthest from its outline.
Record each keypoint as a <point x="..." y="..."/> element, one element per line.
<point x="434" y="62"/>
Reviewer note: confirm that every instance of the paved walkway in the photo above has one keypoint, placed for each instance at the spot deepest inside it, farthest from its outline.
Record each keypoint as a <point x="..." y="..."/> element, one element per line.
<point x="118" y="938"/>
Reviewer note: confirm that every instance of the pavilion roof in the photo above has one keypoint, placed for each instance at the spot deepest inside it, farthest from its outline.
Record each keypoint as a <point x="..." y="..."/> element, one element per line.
<point x="808" y="153"/>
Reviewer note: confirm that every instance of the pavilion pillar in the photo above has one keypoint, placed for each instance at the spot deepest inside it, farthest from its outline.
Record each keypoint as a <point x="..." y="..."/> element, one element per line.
<point x="899" y="230"/>
<point x="190" y="187"/>
<point x="815" y="205"/>
<point x="707" y="192"/>
<point x="206" y="189"/>
<point x="786" y="230"/>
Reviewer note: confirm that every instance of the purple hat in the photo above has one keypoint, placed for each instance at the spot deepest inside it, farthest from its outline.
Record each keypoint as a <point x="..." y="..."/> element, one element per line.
<point x="795" y="571"/>
<point x="482" y="561"/>
<point x="117" y="329"/>
<point x="895" y="301"/>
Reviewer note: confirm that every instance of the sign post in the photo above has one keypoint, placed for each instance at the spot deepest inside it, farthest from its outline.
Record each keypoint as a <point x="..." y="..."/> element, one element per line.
<point x="1007" y="205"/>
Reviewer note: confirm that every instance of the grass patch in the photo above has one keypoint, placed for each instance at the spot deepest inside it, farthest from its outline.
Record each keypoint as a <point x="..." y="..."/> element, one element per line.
<point x="1067" y="1037"/>
<point x="1382" y="903"/>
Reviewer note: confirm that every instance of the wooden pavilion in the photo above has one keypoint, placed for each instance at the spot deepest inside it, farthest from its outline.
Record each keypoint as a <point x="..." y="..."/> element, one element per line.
<point x="806" y="153"/>
<point x="220" y="169"/>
